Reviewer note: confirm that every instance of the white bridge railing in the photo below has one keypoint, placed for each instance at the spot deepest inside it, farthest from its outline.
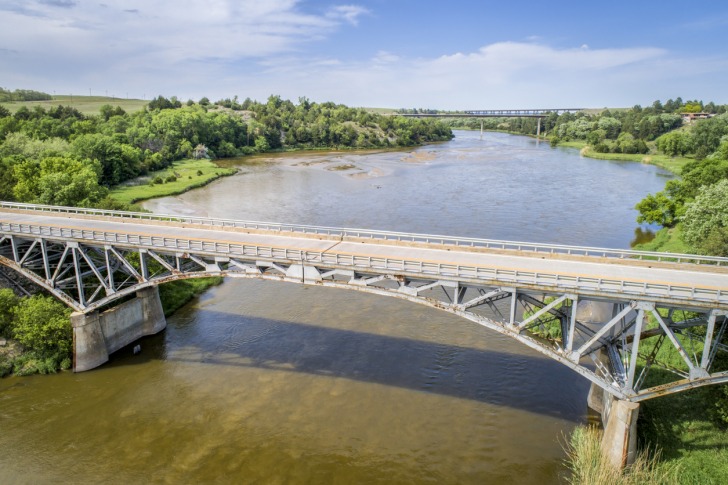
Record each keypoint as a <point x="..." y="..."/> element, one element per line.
<point x="250" y="252"/>
<point x="374" y="235"/>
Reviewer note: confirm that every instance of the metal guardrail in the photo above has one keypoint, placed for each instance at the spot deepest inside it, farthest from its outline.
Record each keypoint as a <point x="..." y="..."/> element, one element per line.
<point x="374" y="235"/>
<point x="591" y="285"/>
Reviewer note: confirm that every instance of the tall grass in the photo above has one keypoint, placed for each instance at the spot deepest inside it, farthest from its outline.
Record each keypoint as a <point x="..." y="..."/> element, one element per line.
<point x="589" y="466"/>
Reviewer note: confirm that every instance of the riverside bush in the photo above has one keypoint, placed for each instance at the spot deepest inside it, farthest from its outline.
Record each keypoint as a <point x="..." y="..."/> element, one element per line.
<point x="42" y="324"/>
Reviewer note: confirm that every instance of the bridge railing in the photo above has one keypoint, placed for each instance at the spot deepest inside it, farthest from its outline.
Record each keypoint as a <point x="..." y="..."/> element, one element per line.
<point x="595" y="286"/>
<point x="374" y="235"/>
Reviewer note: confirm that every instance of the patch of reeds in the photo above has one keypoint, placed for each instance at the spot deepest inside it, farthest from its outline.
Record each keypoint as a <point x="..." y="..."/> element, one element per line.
<point x="588" y="464"/>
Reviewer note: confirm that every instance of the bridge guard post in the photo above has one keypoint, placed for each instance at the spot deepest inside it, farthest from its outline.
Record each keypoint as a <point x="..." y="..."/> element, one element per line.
<point x="619" y="442"/>
<point x="89" y="345"/>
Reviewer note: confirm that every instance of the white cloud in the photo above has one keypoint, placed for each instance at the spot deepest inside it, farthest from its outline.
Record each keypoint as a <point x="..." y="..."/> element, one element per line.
<point x="350" y="13"/>
<point x="163" y="32"/>
<point x="385" y="57"/>
<point x="503" y="75"/>
<point x="219" y="48"/>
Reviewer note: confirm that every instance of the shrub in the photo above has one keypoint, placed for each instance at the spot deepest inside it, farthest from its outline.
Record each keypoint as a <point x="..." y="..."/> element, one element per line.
<point x="170" y="178"/>
<point x="6" y="366"/>
<point x="588" y="465"/>
<point x="31" y="363"/>
<point x="42" y="324"/>
<point x="706" y="219"/>
<point x="8" y="302"/>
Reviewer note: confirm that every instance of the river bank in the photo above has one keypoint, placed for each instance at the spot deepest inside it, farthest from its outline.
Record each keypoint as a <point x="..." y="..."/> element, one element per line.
<point x="176" y="179"/>
<point x="673" y="164"/>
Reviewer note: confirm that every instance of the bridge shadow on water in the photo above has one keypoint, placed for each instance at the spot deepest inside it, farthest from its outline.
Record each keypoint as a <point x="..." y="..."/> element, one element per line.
<point x="522" y="381"/>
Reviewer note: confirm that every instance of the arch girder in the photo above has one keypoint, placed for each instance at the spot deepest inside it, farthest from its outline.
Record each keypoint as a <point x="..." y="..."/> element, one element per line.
<point x="88" y="275"/>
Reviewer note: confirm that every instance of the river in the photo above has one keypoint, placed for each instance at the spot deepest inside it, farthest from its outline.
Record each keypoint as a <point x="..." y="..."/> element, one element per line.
<point x="266" y="382"/>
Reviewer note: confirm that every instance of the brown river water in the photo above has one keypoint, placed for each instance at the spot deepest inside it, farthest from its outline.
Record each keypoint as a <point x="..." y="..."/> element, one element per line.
<point x="267" y="382"/>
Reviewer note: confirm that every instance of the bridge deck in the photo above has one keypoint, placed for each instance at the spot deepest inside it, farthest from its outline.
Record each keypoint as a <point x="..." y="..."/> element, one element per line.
<point x="698" y="277"/>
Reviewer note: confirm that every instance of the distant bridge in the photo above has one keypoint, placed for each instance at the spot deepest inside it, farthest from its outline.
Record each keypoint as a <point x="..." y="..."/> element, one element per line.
<point x="494" y="113"/>
<point x="497" y="113"/>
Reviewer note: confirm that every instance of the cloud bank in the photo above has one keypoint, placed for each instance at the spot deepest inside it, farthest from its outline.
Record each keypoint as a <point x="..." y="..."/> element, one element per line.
<point x="221" y="48"/>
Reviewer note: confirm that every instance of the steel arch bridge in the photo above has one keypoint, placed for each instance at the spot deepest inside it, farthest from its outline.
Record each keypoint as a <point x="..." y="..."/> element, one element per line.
<point x="535" y="294"/>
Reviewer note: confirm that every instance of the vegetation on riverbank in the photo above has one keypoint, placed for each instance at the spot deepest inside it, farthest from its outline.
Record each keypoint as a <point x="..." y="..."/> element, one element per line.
<point x="176" y="179"/>
<point x="65" y="157"/>
<point x="655" y="134"/>
<point x="588" y="465"/>
<point x="689" y="428"/>
<point x="36" y="335"/>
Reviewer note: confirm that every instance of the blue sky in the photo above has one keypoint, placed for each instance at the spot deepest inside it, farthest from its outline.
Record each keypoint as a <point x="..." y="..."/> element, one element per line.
<point x="386" y="53"/>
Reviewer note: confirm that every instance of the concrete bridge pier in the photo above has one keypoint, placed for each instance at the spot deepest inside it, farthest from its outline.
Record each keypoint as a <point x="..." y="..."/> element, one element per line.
<point x="619" y="419"/>
<point x="619" y="442"/>
<point x="96" y="335"/>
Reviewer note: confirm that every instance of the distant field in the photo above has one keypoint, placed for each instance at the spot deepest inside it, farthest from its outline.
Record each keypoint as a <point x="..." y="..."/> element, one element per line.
<point x="88" y="105"/>
<point x="381" y="111"/>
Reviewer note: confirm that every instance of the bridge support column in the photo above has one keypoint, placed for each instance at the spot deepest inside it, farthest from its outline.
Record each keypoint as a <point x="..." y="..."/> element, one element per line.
<point x="89" y="346"/>
<point x="153" y="314"/>
<point x="96" y="335"/>
<point x="619" y="443"/>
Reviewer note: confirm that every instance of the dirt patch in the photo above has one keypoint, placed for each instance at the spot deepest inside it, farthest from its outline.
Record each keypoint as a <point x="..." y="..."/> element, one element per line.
<point x="344" y="166"/>
<point x="373" y="173"/>
<point x="419" y="157"/>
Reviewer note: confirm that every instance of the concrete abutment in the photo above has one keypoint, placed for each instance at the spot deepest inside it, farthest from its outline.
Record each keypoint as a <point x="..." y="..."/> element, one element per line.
<point x="619" y="419"/>
<point x="96" y="335"/>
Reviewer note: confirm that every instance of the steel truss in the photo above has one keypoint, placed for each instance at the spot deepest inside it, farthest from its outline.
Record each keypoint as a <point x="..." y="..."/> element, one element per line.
<point x="617" y="355"/>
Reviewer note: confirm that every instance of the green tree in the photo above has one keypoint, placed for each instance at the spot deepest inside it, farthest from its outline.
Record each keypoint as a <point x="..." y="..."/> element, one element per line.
<point x="118" y="161"/>
<point x="261" y="144"/>
<point x="657" y="209"/>
<point x="8" y="302"/>
<point x="59" y="181"/>
<point x="42" y="324"/>
<point x="705" y="223"/>
<point x="675" y="143"/>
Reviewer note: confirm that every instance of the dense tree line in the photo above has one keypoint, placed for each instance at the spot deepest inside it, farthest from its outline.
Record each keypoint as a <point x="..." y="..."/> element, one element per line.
<point x="23" y="95"/>
<point x="611" y="131"/>
<point x="60" y="156"/>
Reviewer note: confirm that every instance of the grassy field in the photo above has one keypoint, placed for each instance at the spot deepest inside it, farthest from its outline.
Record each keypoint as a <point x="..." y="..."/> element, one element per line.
<point x="673" y="164"/>
<point x="667" y="240"/>
<point x="189" y="174"/>
<point x="688" y="438"/>
<point x="88" y="105"/>
<point x="683" y="424"/>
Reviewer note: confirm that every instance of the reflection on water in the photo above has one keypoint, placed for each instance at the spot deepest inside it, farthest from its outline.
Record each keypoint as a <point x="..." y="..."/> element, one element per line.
<point x="642" y="235"/>
<point x="272" y="382"/>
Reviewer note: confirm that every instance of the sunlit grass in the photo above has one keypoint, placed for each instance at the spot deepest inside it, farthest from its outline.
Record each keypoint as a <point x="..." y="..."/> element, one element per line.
<point x="589" y="466"/>
<point x="189" y="174"/>
<point x="88" y="105"/>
